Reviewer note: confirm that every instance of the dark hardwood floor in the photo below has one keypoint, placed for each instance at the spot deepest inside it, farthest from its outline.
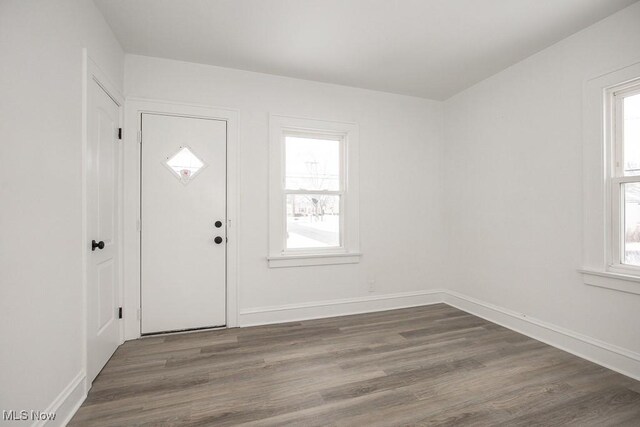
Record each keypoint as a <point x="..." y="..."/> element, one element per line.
<point x="432" y="365"/>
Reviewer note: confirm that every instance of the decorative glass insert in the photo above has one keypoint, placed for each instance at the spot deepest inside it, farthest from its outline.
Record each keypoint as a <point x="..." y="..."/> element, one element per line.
<point x="184" y="164"/>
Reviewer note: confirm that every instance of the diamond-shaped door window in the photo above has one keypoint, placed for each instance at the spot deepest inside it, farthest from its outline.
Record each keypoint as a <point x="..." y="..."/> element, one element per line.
<point x="184" y="164"/>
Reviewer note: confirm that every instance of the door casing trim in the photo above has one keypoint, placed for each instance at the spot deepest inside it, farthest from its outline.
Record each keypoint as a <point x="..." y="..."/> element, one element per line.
<point x="134" y="108"/>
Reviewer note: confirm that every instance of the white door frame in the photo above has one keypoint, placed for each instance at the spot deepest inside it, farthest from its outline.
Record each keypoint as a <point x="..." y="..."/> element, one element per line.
<point x="134" y="107"/>
<point x="92" y="73"/>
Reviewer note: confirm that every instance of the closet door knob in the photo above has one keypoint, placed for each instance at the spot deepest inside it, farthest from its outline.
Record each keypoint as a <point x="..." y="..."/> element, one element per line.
<point x="218" y="240"/>
<point x="99" y="245"/>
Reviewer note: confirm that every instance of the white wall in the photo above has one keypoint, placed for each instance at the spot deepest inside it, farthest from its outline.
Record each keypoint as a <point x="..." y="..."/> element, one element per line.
<point x="400" y="177"/>
<point x="41" y="292"/>
<point x="507" y="185"/>
<point x="514" y="186"/>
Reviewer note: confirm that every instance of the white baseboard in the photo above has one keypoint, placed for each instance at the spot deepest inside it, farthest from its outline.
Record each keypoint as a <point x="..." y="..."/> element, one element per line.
<point x="341" y="307"/>
<point x="67" y="402"/>
<point x="608" y="355"/>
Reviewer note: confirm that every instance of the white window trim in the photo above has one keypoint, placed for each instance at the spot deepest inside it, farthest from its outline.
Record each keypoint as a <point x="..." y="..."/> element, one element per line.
<point x="619" y="282"/>
<point x="601" y="215"/>
<point x="349" y="250"/>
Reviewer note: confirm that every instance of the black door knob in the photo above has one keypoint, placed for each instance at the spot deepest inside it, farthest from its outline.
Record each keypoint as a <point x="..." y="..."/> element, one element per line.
<point x="218" y="224"/>
<point x="99" y="245"/>
<point x="218" y="240"/>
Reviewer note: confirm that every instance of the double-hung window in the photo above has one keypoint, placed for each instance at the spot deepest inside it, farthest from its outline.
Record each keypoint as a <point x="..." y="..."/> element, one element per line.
<point x="313" y="192"/>
<point x="624" y="134"/>
<point x="611" y="180"/>
<point x="313" y="185"/>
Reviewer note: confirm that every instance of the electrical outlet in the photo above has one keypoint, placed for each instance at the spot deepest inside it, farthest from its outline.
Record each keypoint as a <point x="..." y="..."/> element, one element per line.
<point x="372" y="286"/>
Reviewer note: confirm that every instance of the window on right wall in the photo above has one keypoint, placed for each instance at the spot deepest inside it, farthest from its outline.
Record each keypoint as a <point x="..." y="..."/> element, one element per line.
<point x="611" y="180"/>
<point x="624" y="133"/>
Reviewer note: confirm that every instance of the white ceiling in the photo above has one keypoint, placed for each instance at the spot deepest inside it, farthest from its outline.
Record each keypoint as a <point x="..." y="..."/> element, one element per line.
<point x="426" y="48"/>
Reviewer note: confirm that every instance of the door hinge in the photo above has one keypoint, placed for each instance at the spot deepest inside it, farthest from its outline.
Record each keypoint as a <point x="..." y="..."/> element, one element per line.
<point x="139" y="137"/>
<point x="119" y="133"/>
<point x="119" y="312"/>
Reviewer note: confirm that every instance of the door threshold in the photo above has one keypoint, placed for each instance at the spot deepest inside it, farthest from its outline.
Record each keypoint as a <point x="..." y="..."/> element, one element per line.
<point x="184" y="331"/>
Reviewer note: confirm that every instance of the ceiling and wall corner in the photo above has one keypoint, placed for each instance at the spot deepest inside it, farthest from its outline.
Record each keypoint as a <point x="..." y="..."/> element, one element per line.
<point x="513" y="156"/>
<point x="495" y="126"/>
<point x="427" y="48"/>
<point x="510" y="152"/>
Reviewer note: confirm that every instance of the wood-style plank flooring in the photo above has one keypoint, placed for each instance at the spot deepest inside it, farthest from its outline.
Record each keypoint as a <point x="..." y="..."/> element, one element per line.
<point x="431" y="365"/>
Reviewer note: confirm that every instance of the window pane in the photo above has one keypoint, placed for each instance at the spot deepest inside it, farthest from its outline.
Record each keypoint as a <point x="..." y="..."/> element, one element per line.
<point x="312" y="164"/>
<point x="313" y="221"/>
<point x="632" y="223"/>
<point x="632" y="135"/>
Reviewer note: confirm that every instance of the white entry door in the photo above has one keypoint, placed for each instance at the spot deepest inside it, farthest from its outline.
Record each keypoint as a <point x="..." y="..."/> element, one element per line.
<point x="183" y="223"/>
<point x="103" y="152"/>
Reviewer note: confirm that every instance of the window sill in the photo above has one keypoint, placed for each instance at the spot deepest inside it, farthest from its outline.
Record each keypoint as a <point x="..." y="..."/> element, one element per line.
<point x="315" y="259"/>
<point x="616" y="281"/>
